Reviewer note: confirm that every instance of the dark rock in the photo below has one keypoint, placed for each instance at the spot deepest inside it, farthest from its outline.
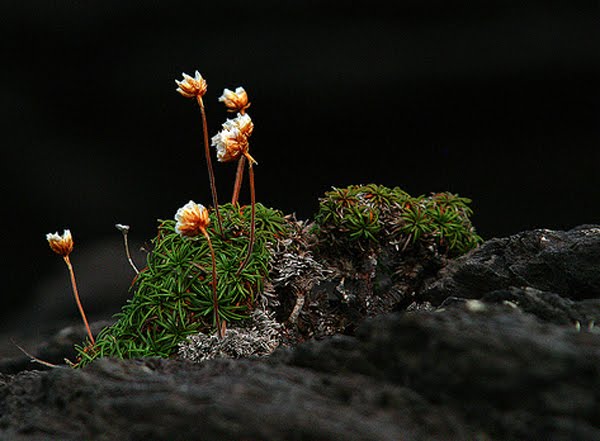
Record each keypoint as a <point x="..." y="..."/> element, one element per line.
<point x="54" y="350"/>
<point x="562" y="262"/>
<point x="501" y="346"/>
<point x="494" y="374"/>
<point x="247" y="400"/>
<point x="549" y="307"/>
<point x="506" y="373"/>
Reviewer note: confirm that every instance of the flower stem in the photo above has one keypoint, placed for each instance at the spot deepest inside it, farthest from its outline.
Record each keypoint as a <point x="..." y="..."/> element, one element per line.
<point x="252" y="218"/>
<point x="211" y="173"/>
<point x="238" y="180"/>
<point x="220" y="329"/>
<point x="77" y="300"/>
<point x="129" y="254"/>
<point x="239" y="174"/>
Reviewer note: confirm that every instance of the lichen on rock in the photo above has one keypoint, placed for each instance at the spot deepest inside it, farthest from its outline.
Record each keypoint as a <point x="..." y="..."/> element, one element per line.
<point x="257" y="336"/>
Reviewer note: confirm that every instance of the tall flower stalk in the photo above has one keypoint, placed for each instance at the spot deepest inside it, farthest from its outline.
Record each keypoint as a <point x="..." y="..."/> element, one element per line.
<point x="63" y="246"/>
<point x="232" y="144"/>
<point x="239" y="176"/>
<point x="252" y="218"/>
<point x="192" y="220"/>
<point x="195" y="87"/>
<point x="124" y="229"/>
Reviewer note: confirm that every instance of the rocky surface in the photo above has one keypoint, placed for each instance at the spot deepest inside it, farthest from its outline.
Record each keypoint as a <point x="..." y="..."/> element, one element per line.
<point x="563" y="262"/>
<point x="501" y="345"/>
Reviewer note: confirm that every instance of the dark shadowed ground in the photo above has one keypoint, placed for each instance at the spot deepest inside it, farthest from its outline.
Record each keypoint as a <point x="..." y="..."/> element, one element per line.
<point x="500" y="344"/>
<point x="497" y="101"/>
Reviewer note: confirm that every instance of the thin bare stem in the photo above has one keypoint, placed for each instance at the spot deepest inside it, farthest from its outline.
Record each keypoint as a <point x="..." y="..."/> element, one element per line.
<point x="129" y="254"/>
<point x="77" y="300"/>
<point x="252" y="217"/>
<point x="34" y="359"/>
<point x="211" y="173"/>
<point x="238" y="180"/>
<point x="220" y="329"/>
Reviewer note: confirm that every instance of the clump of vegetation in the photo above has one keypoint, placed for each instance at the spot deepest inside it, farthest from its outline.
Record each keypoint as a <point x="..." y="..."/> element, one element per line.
<point x="172" y="295"/>
<point x="365" y="216"/>
<point x="208" y="265"/>
<point x="199" y="277"/>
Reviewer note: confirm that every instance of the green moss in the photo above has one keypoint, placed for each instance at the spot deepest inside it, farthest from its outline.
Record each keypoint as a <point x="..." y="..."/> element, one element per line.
<point x="363" y="216"/>
<point x="172" y="295"/>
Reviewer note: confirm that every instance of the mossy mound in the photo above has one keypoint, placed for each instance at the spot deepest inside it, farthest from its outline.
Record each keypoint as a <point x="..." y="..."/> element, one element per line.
<point x="363" y="216"/>
<point x="173" y="294"/>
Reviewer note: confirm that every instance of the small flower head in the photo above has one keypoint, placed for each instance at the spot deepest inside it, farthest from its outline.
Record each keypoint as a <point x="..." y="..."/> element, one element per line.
<point x="62" y="245"/>
<point x="192" y="219"/>
<point x="122" y="228"/>
<point x="235" y="101"/>
<point x="232" y="141"/>
<point x="241" y="122"/>
<point x="192" y="87"/>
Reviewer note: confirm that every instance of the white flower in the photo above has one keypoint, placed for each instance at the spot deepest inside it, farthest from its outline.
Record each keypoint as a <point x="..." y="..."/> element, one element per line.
<point x="230" y="144"/>
<point x="62" y="245"/>
<point x="223" y="141"/>
<point x="192" y="87"/>
<point x="232" y="141"/>
<point x="235" y="101"/>
<point x="122" y="228"/>
<point x="192" y="219"/>
<point x="241" y="122"/>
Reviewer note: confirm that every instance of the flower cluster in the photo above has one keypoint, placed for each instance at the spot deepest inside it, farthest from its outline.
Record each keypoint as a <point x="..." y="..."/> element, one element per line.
<point x="232" y="144"/>
<point x="193" y="219"/>
<point x="232" y="141"/>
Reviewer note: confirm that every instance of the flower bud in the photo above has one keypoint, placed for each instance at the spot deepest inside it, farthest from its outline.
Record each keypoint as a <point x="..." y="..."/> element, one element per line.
<point x="192" y="87"/>
<point x="62" y="245"/>
<point x="122" y="228"/>
<point x="235" y="101"/>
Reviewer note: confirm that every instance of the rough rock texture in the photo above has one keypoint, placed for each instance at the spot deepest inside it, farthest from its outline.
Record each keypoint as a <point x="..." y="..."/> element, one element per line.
<point x="58" y="347"/>
<point x="318" y="293"/>
<point x="563" y="262"/>
<point x="504" y="372"/>
<point x="503" y="355"/>
<point x="457" y="374"/>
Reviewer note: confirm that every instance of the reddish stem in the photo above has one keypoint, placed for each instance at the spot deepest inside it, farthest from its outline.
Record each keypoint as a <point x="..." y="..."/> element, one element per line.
<point x="239" y="175"/>
<point x="211" y="173"/>
<point x="252" y="217"/>
<point x="220" y="329"/>
<point x="77" y="300"/>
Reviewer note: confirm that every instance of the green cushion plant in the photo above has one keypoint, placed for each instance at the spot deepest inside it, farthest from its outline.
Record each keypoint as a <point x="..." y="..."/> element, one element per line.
<point x="363" y="216"/>
<point x="172" y="296"/>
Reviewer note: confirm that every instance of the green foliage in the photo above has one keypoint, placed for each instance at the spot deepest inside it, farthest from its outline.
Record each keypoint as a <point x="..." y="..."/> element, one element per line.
<point x="368" y="215"/>
<point x="173" y="293"/>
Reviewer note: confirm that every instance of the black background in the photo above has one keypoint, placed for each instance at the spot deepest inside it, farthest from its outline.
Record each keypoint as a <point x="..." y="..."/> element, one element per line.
<point x="497" y="101"/>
